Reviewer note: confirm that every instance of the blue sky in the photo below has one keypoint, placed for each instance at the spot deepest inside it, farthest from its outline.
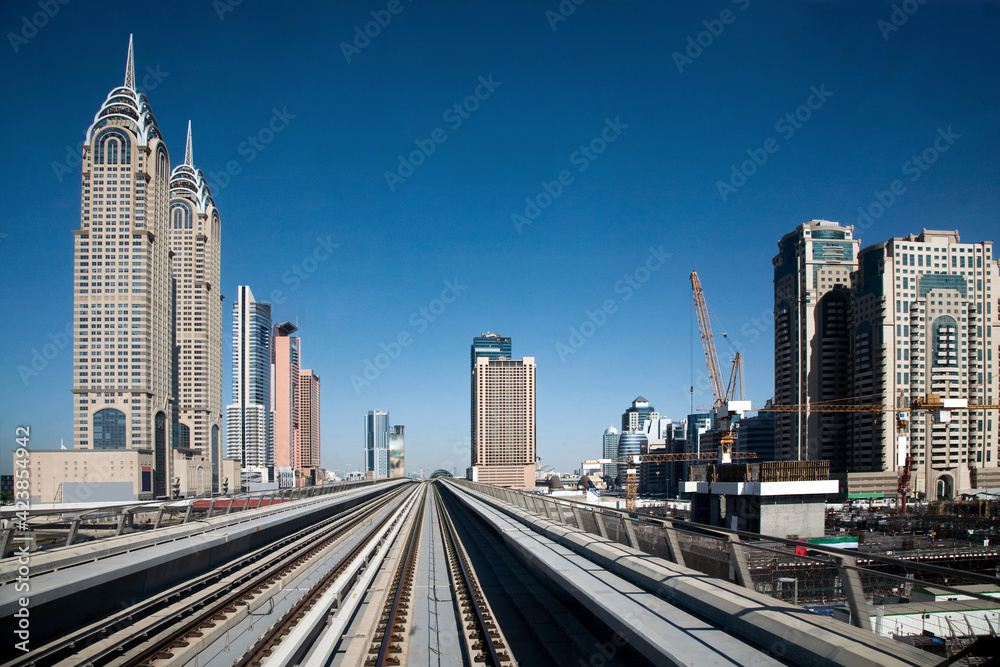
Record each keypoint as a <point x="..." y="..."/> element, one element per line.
<point x="629" y="125"/>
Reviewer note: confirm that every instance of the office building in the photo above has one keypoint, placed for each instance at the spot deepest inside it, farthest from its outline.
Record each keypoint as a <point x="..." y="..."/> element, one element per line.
<point x="285" y="355"/>
<point x="195" y="242"/>
<point x="925" y="321"/>
<point x="122" y="302"/>
<point x="397" y="452"/>
<point x="503" y="421"/>
<point x="491" y="346"/>
<point x="249" y="433"/>
<point x="308" y="456"/>
<point x="610" y="451"/>
<point x="377" y="444"/>
<point x="812" y="294"/>
<point x="635" y="416"/>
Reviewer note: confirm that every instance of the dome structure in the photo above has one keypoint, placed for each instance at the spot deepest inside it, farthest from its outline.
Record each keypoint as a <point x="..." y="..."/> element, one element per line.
<point x="128" y="104"/>
<point x="186" y="181"/>
<point x="611" y="430"/>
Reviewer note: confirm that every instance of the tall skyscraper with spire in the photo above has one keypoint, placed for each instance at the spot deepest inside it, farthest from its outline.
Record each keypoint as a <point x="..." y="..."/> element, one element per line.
<point x="122" y="307"/>
<point x="195" y="241"/>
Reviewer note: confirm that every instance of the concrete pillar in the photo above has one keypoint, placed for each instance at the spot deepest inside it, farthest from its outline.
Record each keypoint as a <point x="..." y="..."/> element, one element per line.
<point x="73" y="528"/>
<point x="121" y="523"/>
<point x="602" y="530"/>
<point x="673" y="544"/>
<point x="159" y="518"/>
<point x="5" y="540"/>
<point x="739" y="567"/>
<point x="187" y="514"/>
<point x="630" y="532"/>
<point x="578" y="517"/>
<point x="232" y="501"/>
<point x="211" y="506"/>
<point x="851" y="581"/>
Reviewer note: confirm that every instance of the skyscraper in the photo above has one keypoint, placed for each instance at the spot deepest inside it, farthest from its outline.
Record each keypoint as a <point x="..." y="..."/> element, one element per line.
<point x="503" y="421"/>
<point x="924" y="322"/>
<point x="195" y="241"/>
<point x="377" y="443"/>
<point x="812" y="293"/>
<point x="285" y="356"/>
<point x="308" y="455"/>
<point x="491" y="346"/>
<point x="249" y="434"/>
<point x="610" y="470"/>
<point x="635" y="416"/>
<point x="122" y="307"/>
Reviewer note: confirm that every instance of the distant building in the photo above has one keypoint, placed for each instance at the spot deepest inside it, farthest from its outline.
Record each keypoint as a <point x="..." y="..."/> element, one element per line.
<point x="634" y="417"/>
<point x="812" y="339"/>
<point x="610" y="449"/>
<point x="308" y="455"/>
<point x="397" y="462"/>
<point x="249" y="432"/>
<point x="377" y="444"/>
<point x="285" y="358"/>
<point x="491" y="346"/>
<point x="756" y="435"/>
<point x="503" y="421"/>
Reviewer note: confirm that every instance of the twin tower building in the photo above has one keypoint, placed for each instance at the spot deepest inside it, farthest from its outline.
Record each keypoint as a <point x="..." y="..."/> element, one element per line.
<point x="147" y="307"/>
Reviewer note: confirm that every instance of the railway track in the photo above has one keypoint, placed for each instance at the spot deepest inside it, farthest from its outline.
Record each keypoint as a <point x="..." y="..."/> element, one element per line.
<point x="154" y="630"/>
<point x="484" y="641"/>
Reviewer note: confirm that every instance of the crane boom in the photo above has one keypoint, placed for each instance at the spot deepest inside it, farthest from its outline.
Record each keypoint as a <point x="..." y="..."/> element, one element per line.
<point x="708" y="341"/>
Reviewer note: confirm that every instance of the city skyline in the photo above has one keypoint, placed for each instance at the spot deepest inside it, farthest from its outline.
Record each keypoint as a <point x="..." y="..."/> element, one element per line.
<point x="636" y="164"/>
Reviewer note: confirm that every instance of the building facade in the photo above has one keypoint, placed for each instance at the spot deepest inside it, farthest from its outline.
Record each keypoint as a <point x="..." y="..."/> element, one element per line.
<point x="610" y="450"/>
<point x="249" y="433"/>
<point x="491" y="346"/>
<point x="122" y="296"/>
<point x="503" y="421"/>
<point x="925" y="321"/>
<point x="308" y="455"/>
<point x="377" y="443"/>
<point x="195" y="242"/>
<point x="812" y="294"/>
<point x="285" y="358"/>
<point x="635" y="416"/>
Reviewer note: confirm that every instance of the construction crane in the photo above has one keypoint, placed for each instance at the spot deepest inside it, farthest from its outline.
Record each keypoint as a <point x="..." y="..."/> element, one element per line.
<point x="726" y="403"/>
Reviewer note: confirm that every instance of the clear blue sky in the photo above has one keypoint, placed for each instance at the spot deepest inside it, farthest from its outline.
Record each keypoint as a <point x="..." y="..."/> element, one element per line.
<point x="670" y="118"/>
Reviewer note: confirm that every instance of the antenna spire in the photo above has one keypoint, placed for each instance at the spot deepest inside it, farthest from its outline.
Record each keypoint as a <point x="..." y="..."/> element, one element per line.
<point x="130" y="67"/>
<point x="188" y="150"/>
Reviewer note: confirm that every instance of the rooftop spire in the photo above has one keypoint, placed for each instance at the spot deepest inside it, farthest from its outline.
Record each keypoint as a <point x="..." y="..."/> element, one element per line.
<point x="188" y="150"/>
<point x="130" y="67"/>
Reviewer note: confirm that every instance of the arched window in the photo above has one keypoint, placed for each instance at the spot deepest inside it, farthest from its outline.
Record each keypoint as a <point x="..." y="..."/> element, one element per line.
<point x="109" y="429"/>
<point x="113" y="147"/>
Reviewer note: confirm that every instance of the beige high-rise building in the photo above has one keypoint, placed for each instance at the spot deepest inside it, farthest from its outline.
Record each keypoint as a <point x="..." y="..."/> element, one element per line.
<point x="122" y="305"/>
<point x="307" y="459"/>
<point x="503" y="421"/>
<point x="196" y="240"/>
<point x="925" y="321"/>
<point x="812" y="296"/>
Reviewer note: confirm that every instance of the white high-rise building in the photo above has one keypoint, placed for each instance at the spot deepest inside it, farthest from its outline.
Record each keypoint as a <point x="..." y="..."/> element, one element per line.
<point x="503" y="421"/>
<point x="249" y="434"/>
<point x="122" y="305"/>
<point x="196" y="240"/>
<point x="377" y="443"/>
